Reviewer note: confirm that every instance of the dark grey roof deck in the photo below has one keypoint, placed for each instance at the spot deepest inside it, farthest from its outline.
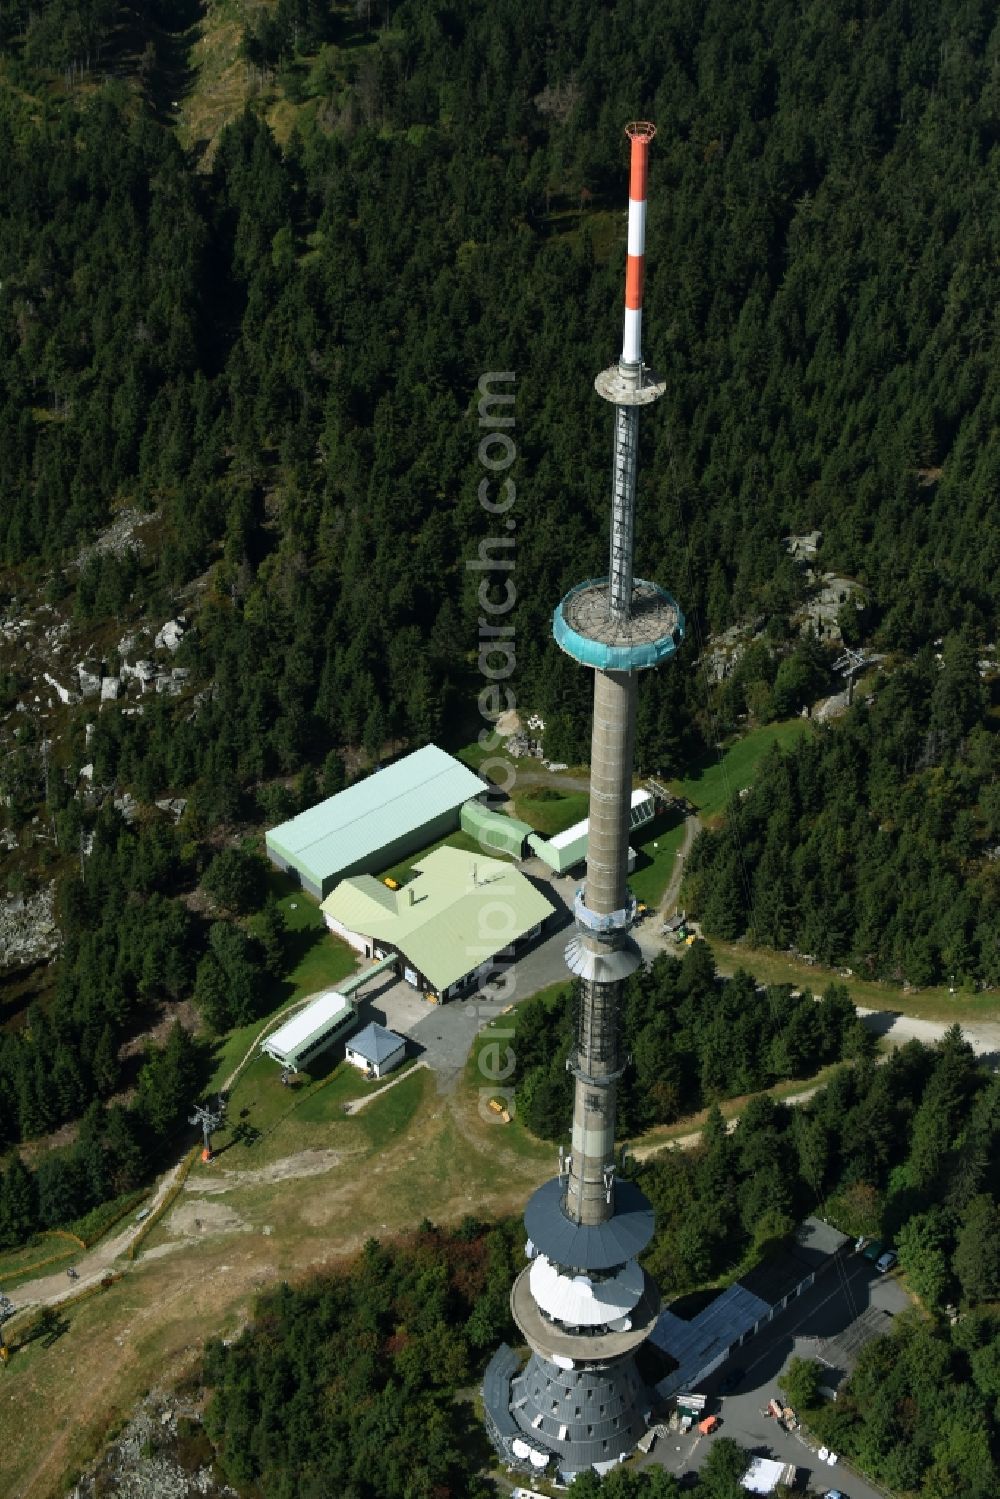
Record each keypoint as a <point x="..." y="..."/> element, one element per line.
<point x="577" y="1247"/>
<point x="500" y="1370"/>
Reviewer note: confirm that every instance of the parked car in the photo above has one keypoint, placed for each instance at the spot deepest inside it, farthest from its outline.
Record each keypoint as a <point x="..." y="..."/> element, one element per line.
<point x="834" y="1494"/>
<point x="872" y="1251"/>
<point x="730" y="1380"/>
<point x="885" y="1262"/>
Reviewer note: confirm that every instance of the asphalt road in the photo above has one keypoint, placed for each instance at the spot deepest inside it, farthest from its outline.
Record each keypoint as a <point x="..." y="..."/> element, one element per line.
<point x="828" y="1308"/>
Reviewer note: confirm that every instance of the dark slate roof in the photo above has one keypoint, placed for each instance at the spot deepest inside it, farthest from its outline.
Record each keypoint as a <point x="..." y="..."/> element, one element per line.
<point x="500" y="1370"/>
<point x="625" y="1234"/>
<point x="814" y="1245"/>
<point x="581" y="1415"/>
<point x="375" y="1043"/>
<point x="698" y="1344"/>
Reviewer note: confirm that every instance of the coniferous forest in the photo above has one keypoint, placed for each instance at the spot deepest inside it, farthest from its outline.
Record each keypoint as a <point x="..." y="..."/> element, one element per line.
<point x="279" y="356"/>
<point x="268" y="346"/>
<point x="865" y="842"/>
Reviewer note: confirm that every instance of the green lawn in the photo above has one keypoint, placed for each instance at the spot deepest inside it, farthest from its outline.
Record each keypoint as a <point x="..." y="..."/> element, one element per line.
<point x="478" y="1083"/>
<point x="550" y="815"/>
<point x="770" y="967"/>
<point x="18" y="1264"/>
<point x="656" y="848"/>
<point x="388" y="1117"/>
<point x="285" y="1117"/>
<point x="710" y="784"/>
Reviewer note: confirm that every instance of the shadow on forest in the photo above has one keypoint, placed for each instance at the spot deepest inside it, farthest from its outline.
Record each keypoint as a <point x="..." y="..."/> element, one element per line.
<point x="153" y="43"/>
<point x="704" y="763"/>
<point x="22" y="987"/>
<point x="881" y="1023"/>
<point x="173" y="73"/>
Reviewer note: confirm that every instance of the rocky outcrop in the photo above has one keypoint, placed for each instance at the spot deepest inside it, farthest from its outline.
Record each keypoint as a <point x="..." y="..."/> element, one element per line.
<point x="28" y="931"/>
<point x="162" y="1453"/>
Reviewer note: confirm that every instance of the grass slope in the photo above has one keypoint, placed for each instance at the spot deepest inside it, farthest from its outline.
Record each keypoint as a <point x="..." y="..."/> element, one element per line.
<point x="709" y="784"/>
<point x="938" y="1005"/>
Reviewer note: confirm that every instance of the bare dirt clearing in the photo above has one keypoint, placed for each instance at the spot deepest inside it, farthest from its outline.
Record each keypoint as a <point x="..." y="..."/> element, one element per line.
<point x="305" y="1163"/>
<point x="200" y="1217"/>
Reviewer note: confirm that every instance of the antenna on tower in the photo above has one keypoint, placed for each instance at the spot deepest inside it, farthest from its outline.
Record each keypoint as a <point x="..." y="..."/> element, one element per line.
<point x="210" y="1119"/>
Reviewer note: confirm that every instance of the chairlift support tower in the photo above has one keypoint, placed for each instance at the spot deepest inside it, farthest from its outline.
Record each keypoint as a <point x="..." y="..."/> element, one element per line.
<point x="584" y="1305"/>
<point x="850" y="664"/>
<point x="210" y="1119"/>
<point x="7" y="1310"/>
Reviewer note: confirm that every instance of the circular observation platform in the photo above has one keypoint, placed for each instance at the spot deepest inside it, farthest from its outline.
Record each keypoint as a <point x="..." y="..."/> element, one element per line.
<point x="630" y="385"/>
<point x="585" y="628"/>
<point x="571" y="1348"/>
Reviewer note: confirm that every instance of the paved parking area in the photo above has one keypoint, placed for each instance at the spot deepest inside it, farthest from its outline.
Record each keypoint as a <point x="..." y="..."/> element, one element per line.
<point x="829" y="1308"/>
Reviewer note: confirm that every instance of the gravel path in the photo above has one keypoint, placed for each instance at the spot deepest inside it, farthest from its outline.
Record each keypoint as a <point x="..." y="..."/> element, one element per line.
<point x="50" y="1290"/>
<point x="668" y="905"/>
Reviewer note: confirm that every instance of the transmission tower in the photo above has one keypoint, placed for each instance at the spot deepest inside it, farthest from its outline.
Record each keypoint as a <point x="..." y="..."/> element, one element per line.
<point x="210" y="1119"/>
<point x="585" y="1305"/>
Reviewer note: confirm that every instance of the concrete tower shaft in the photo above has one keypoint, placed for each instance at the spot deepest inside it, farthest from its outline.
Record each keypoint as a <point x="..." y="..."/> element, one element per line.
<point x="597" y="1062"/>
<point x="611" y="751"/>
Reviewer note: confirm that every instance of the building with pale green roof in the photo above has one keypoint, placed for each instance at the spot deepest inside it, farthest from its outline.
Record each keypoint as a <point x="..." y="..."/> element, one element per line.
<point x="569" y="848"/>
<point x="495" y="832"/>
<point x="449" y="924"/>
<point x="377" y="821"/>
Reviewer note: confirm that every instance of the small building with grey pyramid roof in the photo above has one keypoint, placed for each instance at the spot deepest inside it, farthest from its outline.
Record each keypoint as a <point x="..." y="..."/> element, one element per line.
<point x="376" y="1050"/>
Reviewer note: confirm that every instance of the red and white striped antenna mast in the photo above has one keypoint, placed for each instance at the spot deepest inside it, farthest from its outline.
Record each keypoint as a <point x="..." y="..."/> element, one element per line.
<point x="640" y="133"/>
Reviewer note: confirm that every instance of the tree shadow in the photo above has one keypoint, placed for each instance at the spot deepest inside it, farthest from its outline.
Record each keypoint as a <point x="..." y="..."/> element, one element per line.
<point x="242" y="1133"/>
<point x="661" y="825"/>
<point x="300" y="941"/>
<point x="49" y="1328"/>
